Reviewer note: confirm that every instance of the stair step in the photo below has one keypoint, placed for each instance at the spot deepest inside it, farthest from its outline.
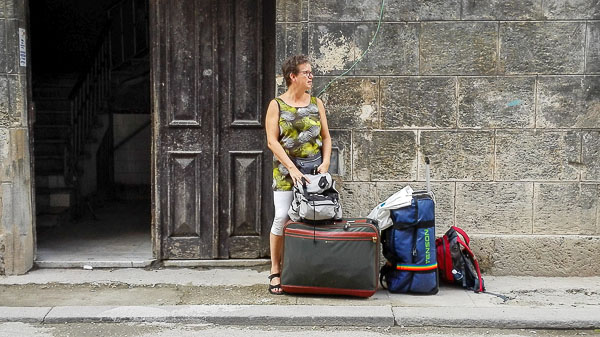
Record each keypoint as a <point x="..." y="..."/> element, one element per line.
<point x="50" y="163"/>
<point x="49" y="117"/>
<point x="55" y="210"/>
<point x="53" y="104"/>
<point x="51" y="92"/>
<point x="53" y="197"/>
<point x="44" y="171"/>
<point x="54" y="149"/>
<point x="53" y="217"/>
<point x="56" y="132"/>
<point x="50" y="181"/>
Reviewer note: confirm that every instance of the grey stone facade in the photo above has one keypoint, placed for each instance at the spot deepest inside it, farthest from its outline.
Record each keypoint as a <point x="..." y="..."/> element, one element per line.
<point x="16" y="221"/>
<point x="502" y="96"/>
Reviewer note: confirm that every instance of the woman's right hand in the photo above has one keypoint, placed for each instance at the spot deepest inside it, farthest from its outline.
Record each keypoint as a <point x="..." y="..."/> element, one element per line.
<point x="297" y="176"/>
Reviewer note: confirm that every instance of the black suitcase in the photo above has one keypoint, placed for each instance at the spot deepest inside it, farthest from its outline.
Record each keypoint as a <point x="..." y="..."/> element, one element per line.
<point x="340" y="258"/>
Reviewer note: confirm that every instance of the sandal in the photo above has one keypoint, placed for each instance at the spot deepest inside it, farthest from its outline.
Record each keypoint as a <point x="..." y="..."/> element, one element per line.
<point x="275" y="286"/>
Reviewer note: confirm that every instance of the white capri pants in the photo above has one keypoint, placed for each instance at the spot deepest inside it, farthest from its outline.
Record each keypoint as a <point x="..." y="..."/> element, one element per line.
<point x="282" y="201"/>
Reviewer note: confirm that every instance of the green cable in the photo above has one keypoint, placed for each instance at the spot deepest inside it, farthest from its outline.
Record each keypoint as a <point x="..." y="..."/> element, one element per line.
<point x="361" y="56"/>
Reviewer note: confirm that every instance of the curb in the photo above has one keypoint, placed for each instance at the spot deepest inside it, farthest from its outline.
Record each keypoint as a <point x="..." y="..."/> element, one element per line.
<point x="283" y="315"/>
<point x="512" y="317"/>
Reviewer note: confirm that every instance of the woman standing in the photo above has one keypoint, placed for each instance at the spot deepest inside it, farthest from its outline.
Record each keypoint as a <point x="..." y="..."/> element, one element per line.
<point x="296" y="127"/>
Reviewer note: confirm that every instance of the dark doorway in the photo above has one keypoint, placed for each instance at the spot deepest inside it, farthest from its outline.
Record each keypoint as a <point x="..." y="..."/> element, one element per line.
<point x="91" y="137"/>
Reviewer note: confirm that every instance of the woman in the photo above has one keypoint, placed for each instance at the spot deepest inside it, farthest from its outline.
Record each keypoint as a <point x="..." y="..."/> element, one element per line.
<point x="296" y="127"/>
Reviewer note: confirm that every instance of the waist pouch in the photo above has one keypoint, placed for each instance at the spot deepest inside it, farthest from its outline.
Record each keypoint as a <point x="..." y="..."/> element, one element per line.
<point x="409" y="247"/>
<point x="308" y="165"/>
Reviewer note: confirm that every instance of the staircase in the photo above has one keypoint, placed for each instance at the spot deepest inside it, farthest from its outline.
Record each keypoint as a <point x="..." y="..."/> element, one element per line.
<point x="52" y="125"/>
<point x="73" y="121"/>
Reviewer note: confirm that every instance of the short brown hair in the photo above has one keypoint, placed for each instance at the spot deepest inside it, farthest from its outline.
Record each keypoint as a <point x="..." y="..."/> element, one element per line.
<point x="290" y="66"/>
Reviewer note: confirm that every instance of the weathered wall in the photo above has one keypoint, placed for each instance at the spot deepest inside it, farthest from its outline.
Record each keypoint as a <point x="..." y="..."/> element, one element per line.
<point x="503" y="96"/>
<point x="16" y="229"/>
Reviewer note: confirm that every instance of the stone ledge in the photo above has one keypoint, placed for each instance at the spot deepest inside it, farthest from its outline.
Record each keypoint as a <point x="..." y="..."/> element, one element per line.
<point x="537" y="255"/>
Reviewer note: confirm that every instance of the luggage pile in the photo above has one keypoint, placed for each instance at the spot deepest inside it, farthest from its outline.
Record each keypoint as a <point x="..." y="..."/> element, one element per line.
<point x="325" y="254"/>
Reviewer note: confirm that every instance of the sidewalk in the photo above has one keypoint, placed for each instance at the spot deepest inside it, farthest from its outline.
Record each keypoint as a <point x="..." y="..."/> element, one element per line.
<point x="237" y="296"/>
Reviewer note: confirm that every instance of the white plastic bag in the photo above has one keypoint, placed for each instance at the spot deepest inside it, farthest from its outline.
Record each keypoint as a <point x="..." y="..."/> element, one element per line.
<point x="381" y="212"/>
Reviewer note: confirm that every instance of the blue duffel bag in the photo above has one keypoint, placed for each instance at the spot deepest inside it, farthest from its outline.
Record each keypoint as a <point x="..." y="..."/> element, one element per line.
<point x="409" y="247"/>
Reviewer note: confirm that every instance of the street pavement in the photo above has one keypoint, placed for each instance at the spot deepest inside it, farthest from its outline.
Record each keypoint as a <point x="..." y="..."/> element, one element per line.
<point x="239" y="297"/>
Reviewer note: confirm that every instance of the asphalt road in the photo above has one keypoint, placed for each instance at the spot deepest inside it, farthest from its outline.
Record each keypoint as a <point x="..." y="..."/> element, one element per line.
<point x="200" y="330"/>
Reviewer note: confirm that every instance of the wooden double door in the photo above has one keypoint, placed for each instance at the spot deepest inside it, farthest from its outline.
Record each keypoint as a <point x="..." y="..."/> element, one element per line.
<point x="212" y="77"/>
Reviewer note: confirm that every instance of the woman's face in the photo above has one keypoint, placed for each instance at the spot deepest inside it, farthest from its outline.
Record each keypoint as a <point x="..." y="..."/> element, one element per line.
<point x="304" y="76"/>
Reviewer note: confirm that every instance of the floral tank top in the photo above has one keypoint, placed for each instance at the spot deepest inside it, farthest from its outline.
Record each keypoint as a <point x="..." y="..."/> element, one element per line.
<point x="300" y="137"/>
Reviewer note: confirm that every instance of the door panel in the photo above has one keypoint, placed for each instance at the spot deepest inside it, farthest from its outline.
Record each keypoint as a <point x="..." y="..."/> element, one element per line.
<point x="183" y="87"/>
<point x="213" y="168"/>
<point x="245" y="161"/>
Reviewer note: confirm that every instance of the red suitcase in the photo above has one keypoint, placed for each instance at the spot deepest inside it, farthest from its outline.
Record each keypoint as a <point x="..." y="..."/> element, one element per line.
<point x="340" y="258"/>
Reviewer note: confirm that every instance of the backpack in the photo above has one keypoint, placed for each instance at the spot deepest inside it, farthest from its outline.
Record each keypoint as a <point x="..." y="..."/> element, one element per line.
<point x="409" y="247"/>
<point x="456" y="262"/>
<point x="317" y="201"/>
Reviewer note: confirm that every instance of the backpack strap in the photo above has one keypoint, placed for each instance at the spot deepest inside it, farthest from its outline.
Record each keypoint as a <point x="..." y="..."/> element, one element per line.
<point x="470" y="252"/>
<point x="463" y="233"/>
<point x="447" y="258"/>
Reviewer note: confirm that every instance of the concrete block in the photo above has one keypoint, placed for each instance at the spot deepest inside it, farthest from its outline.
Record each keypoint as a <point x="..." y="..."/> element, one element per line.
<point x="590" y="156"/>
<point x="4" y="102"/>
<point x="568" y="102"/>
<point x="21" y="180"/>
<point x="384" y="155"/>
<point x="7" y="253"/>
<point x="515" y="317"/>
<point x="571" y="9"/>
<point x="291" y="10"/>
<point x="502" y="10"/>
<point x="6" y="173"/>
<point x="495" y="208"/>
<point x="537" y="155"/>
<point x="23" y="314"/>
<point x="351" y="102"/>
<point x="3" y="51"/>
<point x="291" y="39"/>
<point x="465" y="48"/>
<point x="496" y="102"/>
<point x="18" y="100"/>
<point x="341" y="154"/>
<point x="592" y="48"/>
<point x="462" y="155"/>
<point x="408" y="102"/>
<point x="15" y="9"/>
<point x="408" y="10"/>
<point x="358" y="199"/>
<point x="570" y="208"/>
<point x="444" y="200"/>
<point x="348" y="10"/>
<point x="542" y="47"/>
<point x="244" y="315"/>
<point x="537" y="255"/>
<point x="333" y="47"/>
<point x="12" y="46"/>
<point x="395" y="51"/>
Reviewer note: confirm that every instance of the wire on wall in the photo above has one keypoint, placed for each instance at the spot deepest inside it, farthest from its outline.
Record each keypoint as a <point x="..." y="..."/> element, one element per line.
<point x="361" y="56"/>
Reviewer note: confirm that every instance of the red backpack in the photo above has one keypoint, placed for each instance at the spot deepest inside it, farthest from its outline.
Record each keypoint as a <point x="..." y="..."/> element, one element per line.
<point x="456" y="262"/>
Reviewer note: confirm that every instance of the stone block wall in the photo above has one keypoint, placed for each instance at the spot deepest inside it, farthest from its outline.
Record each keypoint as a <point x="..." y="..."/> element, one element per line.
<point x="502" y="96"/>
<point x="16" y="221"/>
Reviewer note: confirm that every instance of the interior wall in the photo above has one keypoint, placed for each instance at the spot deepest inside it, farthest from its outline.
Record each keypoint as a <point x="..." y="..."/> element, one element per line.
<point x="132" y="160"/>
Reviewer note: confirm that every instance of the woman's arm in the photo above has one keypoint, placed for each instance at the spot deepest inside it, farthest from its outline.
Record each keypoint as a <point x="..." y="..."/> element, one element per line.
<point x="326" y="138"/>
<point x="272" y="128"/>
